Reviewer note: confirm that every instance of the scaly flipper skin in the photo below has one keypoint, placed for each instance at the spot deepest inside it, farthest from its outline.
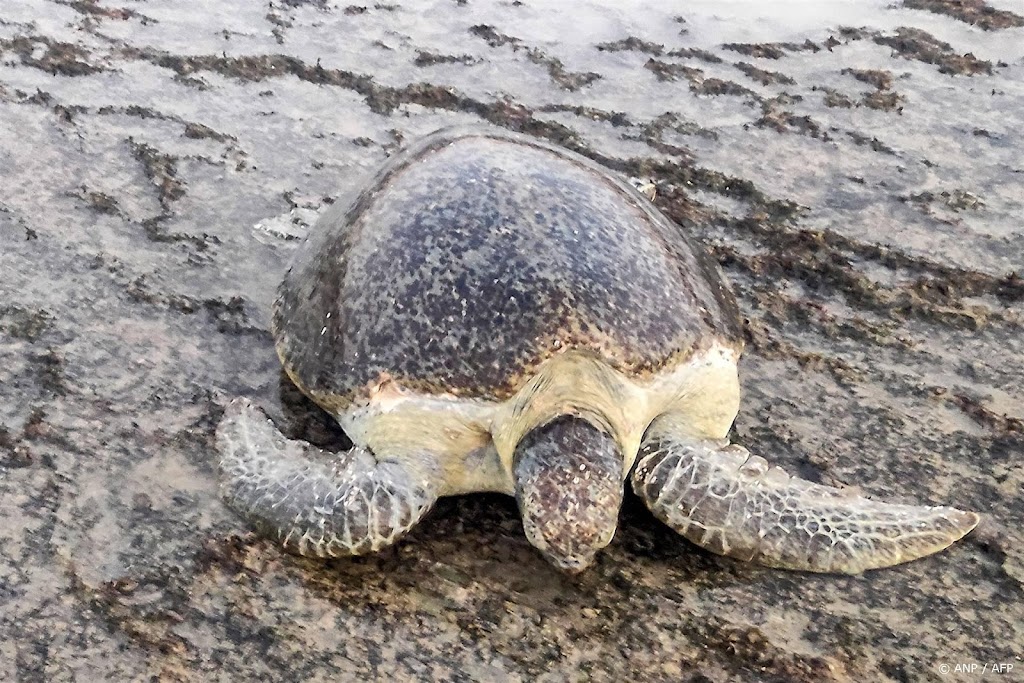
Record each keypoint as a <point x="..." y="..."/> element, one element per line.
<point x="732" y="503"/>
<point x="315" y="503"/>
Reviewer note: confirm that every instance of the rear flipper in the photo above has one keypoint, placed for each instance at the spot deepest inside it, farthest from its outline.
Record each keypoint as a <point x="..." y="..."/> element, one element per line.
<point x="732" y="503"/>
<point x="316" y="503"/>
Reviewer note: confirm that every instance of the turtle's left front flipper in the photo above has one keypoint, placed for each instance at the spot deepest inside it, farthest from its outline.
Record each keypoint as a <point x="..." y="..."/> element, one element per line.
<point x="316" y="503"/>
<point x="732" y="503"/>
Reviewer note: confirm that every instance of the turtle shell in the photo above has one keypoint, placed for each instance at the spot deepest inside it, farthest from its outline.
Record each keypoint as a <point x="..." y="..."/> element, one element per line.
<point x="475" y="256"/>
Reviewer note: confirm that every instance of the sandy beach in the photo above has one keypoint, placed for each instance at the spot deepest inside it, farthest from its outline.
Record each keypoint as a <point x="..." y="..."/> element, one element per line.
<point x="855" y="167"/>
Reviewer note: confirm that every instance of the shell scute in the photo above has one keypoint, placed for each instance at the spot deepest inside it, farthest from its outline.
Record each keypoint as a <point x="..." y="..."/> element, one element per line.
<point x="477" y="255"/>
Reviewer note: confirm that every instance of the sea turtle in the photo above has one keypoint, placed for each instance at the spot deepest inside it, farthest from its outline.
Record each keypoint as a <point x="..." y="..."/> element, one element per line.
<point x="494" y="313"/>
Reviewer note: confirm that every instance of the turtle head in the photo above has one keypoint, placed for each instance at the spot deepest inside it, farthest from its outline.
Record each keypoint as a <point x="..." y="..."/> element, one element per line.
<point x="569" y="482"/>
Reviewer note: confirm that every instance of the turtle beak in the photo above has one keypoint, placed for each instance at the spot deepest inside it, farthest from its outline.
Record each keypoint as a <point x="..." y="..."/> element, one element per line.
<point x="568" y="476"/>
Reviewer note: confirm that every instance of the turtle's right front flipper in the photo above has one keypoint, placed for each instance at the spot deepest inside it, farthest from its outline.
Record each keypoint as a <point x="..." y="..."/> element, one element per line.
<point x="318" y="504"/>
<point x="732" y="503"/>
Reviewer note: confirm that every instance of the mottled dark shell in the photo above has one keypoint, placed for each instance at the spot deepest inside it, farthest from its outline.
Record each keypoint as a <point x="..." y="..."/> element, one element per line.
<point x="475" y="256"/>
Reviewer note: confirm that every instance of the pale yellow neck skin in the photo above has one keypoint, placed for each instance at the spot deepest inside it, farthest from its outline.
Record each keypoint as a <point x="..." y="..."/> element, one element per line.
<point x="476" y="439"/>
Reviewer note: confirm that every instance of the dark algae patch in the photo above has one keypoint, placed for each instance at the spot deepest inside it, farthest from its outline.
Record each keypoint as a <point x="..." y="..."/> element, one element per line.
<point x="914" y="43"/>
<point x="23" y="323"/>
<point x="883" y="97"/>
<point x="696" y="53"/>
<point x="700" y="83"/>
<point x="862" y="140"/>
<point x="94" y="9"/>
<point x="771" y="50"/>
<point x="763" y="76"/>
<point x="976" y="12"/>
<point x="55" y="57"/>
<point x="880" y="79"/>
<point x="668" y="71"/>
<point x="834" y="98"/>
<point x="424" y="58"/>
<point x="161" y="169"/>
<point x="559" y="74"/>
<point x="634" y="44"/>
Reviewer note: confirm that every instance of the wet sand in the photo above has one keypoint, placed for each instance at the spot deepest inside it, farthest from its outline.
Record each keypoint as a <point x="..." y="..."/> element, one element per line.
<point x="856" y="169"/>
